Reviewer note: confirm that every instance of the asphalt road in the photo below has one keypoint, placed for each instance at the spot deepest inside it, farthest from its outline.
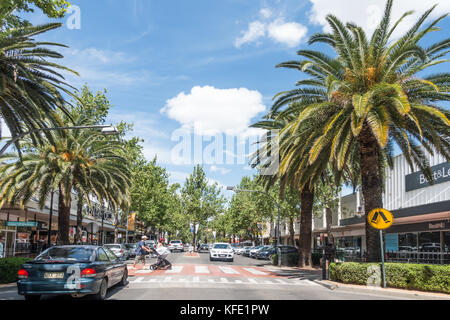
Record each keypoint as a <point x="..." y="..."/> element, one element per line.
<point x="197" y="278"/>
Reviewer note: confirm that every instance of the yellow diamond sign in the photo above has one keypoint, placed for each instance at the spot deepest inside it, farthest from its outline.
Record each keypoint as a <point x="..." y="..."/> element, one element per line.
<point x="380" y="218"/>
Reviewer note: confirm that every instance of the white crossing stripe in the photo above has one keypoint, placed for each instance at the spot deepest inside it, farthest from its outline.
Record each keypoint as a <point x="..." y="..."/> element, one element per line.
<point x="224" y="280"/>
<point x="167" y="279"/>
<point x="268" y="282"/>
<point x="139" y="279"/>
<point x="211" y="280"/>
<point x="175" y="269"/>
<point x="281" y="281"/>
<point x="252" y="280"/>
<point x="196" y="279"/>
<point x="201" y="269"/>
<point x="237" y="281"/>
<point x="144" y="271"/>
<point x="228" y="270"/>
<point x="254" y="271"/>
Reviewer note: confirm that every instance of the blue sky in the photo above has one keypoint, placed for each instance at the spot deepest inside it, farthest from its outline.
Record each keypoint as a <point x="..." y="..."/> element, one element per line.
<point x="208" y="65"/>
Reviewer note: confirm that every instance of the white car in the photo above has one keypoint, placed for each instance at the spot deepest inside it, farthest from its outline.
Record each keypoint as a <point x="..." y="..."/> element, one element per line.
<point x="176" y="245"/>
<point x="221" y="251"/>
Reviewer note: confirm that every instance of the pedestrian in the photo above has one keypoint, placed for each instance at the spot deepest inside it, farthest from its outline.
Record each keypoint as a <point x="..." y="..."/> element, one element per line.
<point x="140" y="251"/>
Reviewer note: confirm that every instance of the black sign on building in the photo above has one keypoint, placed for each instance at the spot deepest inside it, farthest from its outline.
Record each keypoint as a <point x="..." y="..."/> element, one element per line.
<point x="417" y="180"/>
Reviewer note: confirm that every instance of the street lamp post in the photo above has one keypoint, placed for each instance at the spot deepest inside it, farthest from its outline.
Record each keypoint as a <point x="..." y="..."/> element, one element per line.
<point x="277" y="205"/>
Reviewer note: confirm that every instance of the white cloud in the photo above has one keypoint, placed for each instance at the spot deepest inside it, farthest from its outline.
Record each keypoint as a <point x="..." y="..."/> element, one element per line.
<point x="219" y="169"/>
<point x="266" y="13"/>
<point x="210" y="111"/>
<point x="255" y="31"/>
<point x="367" y="13"/>
<point x="290" y="34"/>
<point x="94" y="56"/>
<point x="287" y="33"/>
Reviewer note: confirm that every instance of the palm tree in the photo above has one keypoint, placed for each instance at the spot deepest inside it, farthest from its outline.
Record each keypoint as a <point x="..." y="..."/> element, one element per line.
<point x="77" y="160"/>
<point x="31" y="88"/>
<point x="373" y="98"/>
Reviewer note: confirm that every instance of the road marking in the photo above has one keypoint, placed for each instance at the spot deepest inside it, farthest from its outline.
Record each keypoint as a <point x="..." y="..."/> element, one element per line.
<point x="252" y="280"/>
<point x="237" y="281"/>
<point x="268" y="282"/>
<point x="228" y="270"/>
<point x="196" y="279"/>
<point x="211" y="280"/>
<point x="201" y="269"/>
<point x="175" y="269"/>
<point x="254" y="271"/>
<point x="144" y="271"/>
<point x="224" y="280"/>
<point x="281" y="281"/>
<point x="139" y="279"/>
<point x="167" y="279"/>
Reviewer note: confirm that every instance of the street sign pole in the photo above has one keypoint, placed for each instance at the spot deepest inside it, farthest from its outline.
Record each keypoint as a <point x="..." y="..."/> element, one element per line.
<point x="382" y="259"/>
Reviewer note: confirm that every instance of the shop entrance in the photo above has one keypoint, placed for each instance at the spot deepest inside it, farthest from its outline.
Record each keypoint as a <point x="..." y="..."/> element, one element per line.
<point x="7" y="243"/>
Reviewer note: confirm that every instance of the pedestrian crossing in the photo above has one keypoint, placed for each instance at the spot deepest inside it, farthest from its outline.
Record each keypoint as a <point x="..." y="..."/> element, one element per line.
<point x="139" y="281"/>
<point x="204" y="270"/>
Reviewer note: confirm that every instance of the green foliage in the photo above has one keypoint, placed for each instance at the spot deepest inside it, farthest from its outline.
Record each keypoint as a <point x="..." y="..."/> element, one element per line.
<point x="9" y="268"/>
<point x="398" y="275"/>
<point x="51" y="8"/>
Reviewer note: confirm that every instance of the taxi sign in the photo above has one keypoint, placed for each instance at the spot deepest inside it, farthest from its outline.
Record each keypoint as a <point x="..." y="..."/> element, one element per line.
<point x="380" y="218"/>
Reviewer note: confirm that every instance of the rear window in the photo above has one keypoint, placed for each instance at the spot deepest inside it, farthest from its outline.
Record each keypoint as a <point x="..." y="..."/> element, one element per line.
<point x="222" y="246"/>
<point x="68" y="253"/>
<point x="113" y="246"/>
<point x="175" y="241"/>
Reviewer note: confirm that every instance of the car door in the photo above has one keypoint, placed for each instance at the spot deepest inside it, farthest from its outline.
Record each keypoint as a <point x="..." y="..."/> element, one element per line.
<point x="117" y="266"/>
<point x="103" y="264"/>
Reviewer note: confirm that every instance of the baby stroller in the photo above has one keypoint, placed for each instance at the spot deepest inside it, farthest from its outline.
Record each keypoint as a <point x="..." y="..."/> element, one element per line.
<point x="161" y="262"/>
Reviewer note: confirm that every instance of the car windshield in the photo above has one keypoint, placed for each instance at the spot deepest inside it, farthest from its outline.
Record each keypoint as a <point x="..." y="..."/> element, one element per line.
<point x="222" y="246"/>
<point x="113" y="246"/>
<point x="67" y="253"/>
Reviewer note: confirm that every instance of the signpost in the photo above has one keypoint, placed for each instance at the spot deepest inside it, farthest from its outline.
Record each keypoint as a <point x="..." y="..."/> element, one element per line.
<point x="21" y="224"/>
<point x="381" y="219"/>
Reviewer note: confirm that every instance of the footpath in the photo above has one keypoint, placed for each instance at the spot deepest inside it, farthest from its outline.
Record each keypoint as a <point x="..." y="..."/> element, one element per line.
<point x="315" y="274"/>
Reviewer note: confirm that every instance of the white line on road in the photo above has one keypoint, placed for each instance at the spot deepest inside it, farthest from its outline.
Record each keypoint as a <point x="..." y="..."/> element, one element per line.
<point x="175" y="269"/>
<point x="139" y="279"/>
<point x="254" y="271"/>
<point x="252" y="280"/>
<point x="228" y="270"/>
<point x="201" y="269"/>
<point x="224" y="280"/>
<point x="167" y="279"/>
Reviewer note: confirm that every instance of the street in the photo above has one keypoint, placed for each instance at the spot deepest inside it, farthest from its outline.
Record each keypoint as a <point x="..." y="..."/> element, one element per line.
<point x="197" y="278"/>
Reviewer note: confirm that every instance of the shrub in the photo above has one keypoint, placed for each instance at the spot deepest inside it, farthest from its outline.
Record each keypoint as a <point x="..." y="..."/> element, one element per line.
<point x="9" y="268"/>
<point x="398" y="275"/>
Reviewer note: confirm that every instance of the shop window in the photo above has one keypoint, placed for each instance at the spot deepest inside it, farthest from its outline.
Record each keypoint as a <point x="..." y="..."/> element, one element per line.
<point x="407" y="242"/>
<point x="447" y="241"/>
<point x="430" y="241"/>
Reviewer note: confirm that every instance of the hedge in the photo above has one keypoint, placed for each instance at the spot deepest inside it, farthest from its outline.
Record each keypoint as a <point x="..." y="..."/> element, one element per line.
<point x="9" y="268"/>
<point x="398" y="275"/>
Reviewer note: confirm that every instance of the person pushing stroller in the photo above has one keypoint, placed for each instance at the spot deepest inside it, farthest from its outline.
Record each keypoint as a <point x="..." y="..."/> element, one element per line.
<point x="161" y="255"/>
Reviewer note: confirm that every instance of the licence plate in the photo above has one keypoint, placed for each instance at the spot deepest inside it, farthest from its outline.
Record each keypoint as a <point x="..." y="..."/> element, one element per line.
<point x="222" y="255"/>
<point x="54" y="275"/>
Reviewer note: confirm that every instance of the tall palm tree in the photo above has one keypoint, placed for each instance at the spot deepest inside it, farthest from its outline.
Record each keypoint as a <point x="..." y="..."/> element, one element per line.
<point x="31" y="88"/>
<point x="373" y="98"/>
<point x="76" y="160"/>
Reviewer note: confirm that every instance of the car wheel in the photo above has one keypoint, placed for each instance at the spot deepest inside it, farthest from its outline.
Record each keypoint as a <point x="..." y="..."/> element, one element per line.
<point x="102" y="292"/>
<point x="124" y="280"/>
<point x="32" y="297"/>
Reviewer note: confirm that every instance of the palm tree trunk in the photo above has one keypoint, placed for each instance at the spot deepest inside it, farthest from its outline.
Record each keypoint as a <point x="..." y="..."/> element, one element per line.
<point x="306" y="200"/>
<point x="372" y="187"/>
<point x="329" y="213"/>
<point x="63" y="218"/>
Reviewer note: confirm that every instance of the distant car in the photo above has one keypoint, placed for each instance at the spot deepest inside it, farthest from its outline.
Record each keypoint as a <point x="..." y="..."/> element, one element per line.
<point x="150" y="244"/>
<point x="221" y="251"/>
<point x="261" y="253"/>
<point x="52" y="271"/>
<point x="120" y="250"/>
<point x="131" y="247"/>
<point x="267" y="254"/>
<point x="253" y="250"/>
<point x="246" y="251"/>
<point x="405" y="248"/>
<point x="176" y="245"/>
<point x="239" y="250"/>
<point x="204" y="247"/>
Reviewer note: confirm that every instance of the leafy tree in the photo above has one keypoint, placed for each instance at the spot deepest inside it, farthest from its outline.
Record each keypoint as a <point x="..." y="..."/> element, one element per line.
<point x="372" y="97"/>
<point x="51" y="8"/>
<point x="200" y="200"/>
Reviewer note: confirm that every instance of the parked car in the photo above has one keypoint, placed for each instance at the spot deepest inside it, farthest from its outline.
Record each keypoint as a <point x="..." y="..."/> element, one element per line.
<point x="120" y="250"/>
<point x="176" y="245"/>
<point x="150" y="244"/>
<point x="431" y="246"/>
<point x="131" y="247"/>
<point x="253" y="250"/>
<point x="52" y="271"/>
<point x="246" y="251"/>
<point x="204" y="247"/>
<point x="239" y="250"/>
<point x="261" y="254"/>
<point x="267" y="254"/>
<point x="221" y="251"/>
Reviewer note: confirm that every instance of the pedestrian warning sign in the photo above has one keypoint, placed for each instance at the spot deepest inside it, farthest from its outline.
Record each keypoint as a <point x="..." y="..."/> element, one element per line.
<point x="380" y="218"/>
